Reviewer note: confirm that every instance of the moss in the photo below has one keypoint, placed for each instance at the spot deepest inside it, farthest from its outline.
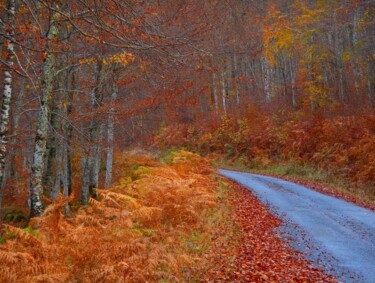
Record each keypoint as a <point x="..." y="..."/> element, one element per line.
<point x="14" y="216"/>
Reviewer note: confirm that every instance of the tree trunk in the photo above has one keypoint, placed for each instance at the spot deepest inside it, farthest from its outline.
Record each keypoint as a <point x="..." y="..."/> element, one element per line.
<point x="85" y="194"/>
<point x="266" y="79"/>
<point x="110" y="135"/>
<point x="235" y="76"/>
<point x="7" y="92"/>
<point x="49" y="167"/>
<point x="224" y="87"/>
<point x="65" y="180"/>
<point x="56" y="189"/>
<point x="36" y="190"/>
<point x="91" y="158"/>
<point x="96" y="157"/>
<point x="214" y="93"/>
<point x="293" y="81"/>
<point x="339" y="61"/>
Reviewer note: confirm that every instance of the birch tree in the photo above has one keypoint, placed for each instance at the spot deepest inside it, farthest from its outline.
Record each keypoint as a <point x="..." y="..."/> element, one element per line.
<point x="7" y="90"/>
<point x="39" y="158"/>
<point x="110" y="138"/>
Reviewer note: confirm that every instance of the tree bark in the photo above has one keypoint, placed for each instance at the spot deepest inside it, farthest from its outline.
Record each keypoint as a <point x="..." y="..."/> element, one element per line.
<point x="36" y="190"/>
<point x="110" y="137"/>
<point x="49" y="167"/>
<point x="224" y="88"/>
<point x="7" y="91"/>
<point x="235" y="76"/>
<point x="90" y="170"/>
<point x="214" y="92"/>
<point x="266" y="79"/>
<point x="55" y="190"/>
<point x="292" y="69"/>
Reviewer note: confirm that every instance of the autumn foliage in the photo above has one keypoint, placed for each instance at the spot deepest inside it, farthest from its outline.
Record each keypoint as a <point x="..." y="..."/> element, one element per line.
<point x="262" y="256"/>
<point x="154" y="225"/>
<point x="344" y="145"/>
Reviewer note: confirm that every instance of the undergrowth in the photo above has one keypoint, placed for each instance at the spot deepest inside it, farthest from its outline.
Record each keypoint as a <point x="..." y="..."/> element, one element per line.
<point x="157" y="225"/>
<point x="338" y="150"/>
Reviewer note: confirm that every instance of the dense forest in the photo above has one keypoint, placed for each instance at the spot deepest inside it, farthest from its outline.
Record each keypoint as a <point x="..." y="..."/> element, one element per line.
<point x="83" y="80"/>
<point x="245" y="83"/>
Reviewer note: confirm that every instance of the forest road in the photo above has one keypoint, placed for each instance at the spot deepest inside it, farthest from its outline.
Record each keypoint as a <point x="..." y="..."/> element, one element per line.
<point x="335" y="235"/>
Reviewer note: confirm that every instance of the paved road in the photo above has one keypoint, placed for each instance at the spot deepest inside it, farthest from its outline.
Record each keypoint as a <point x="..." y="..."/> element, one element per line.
<point x="336" y="235"/>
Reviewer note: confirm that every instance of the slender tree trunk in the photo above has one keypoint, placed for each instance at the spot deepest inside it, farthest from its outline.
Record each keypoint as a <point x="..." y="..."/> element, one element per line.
<point x="66" y="176"/>
<point x="110" y="135"/>
<point x="85" y="194"/>
<point x="266" y="79"/>
<point x="36" y="190"/>
<point x="16" y="123"/>
<point x="293" y="81"/>
<point x="69" y="131"/>
<point x="235" y="76"/>
<point x="339" y="62"/>
<point x="7" y="91"/>
<point x="90" y="163"/>
<point x="55" y="190"/>
<point x="214" y="93"/>
<point x="49" y="167"/>
<point x="96" y="158"/>
<point x="224" y="92"/>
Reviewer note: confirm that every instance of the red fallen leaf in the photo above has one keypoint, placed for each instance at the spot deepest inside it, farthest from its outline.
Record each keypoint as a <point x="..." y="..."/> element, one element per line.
<point x="261" y="256"/>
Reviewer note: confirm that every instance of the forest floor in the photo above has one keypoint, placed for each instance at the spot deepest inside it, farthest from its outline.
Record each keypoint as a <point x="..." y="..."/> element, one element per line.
<point x="260" y="254"/>
<point x="336" y="235"/>
<point x="170" y="221"/>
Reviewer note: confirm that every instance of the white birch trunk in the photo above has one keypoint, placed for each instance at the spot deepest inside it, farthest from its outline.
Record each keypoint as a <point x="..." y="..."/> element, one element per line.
<point x="91" y="158"/>
<point x="55" y="190"/>
<point x="36" y="189"/>
<point x="110" y="138"/>
<point x="266" y="79"/>
<point x="224" y="93"/>
<point x="214" y="89"/>
<point x="235" y="76"/>
<point x="7" y="91"/>
<point x="95" y="169"/>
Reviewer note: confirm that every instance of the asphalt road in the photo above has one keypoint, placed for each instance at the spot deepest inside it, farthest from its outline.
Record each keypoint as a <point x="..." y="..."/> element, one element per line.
<point x="335" y="235"/>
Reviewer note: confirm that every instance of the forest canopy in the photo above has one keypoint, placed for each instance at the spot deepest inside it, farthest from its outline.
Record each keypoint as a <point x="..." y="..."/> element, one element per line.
<point x="85" y="80"/>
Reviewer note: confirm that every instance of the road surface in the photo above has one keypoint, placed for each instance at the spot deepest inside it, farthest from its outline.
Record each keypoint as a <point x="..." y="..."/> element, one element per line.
<point x="335" y="235"/>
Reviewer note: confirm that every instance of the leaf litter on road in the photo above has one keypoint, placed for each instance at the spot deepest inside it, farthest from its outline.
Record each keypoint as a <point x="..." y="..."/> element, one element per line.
<point x="260" y="254"/>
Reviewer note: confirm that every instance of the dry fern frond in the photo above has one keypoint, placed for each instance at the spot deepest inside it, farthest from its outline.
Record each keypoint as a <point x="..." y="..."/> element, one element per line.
<point x="8" y="275"/>
<point x="119" y="200"/>
<point x="49" y="278"/>
<point x="96" y="204"/>
<point x="7" y="257"/>
<point x="131" y="234"/>
<point x="22" y="235"/>
<point x="89" y="220"/>
<point x="148" y="213"/>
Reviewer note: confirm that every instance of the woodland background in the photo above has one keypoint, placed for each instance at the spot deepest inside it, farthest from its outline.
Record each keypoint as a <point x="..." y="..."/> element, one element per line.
<point x="254" y="82"/>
